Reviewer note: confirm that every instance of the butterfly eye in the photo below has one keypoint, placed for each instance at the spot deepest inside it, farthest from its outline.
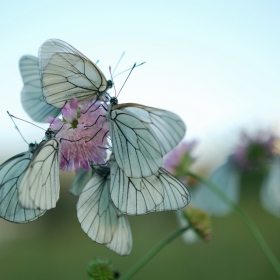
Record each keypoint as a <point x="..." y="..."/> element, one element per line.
<point x="109" y="84"/>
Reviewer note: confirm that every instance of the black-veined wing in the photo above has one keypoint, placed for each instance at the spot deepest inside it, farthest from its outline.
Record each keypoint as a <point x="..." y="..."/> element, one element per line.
<point x="168" y="128"/>
<point x="31" y="93"/>
<point x="176" y="194"/>
<point x="11" y="173"/>
<point x="135" y="196"/>
<point x="39" y="187"/>
<point x="98" y="216"/>
<point x="122" y="238"/>
<point x="158" y="192"/>
<point x="96" y="213"/>
<point x="66" y="74"/>
<point x="136" y="149"/>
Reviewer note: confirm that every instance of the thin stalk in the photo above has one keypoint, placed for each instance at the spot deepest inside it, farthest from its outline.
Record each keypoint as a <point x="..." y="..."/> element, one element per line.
<point x="152" y="253"/>
<point x="250" y="224"/>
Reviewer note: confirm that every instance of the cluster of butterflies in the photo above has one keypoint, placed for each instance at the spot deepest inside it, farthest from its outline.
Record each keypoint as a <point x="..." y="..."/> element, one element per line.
<point x="132" y="182"/>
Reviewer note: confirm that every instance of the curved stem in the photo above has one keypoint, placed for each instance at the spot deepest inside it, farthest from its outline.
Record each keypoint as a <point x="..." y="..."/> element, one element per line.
<point x="250" y="224"/>
<point x="152" y="253"/>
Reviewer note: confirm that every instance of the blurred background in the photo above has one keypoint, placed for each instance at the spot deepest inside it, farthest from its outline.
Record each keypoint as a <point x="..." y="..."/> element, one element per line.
<point x="216" y="64"/>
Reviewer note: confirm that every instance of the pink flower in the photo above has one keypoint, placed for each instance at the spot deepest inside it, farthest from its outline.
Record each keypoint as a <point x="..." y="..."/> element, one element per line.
<point x="81" y="142"/>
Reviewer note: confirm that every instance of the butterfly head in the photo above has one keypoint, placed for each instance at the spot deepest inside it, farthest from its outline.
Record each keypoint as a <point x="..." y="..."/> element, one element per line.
<point x="103" y="170"/>
<point x="109" y="84"/>
<point x="50" y="134"/>
<point x="32" y="147"/>
<point x="114" y="101"/>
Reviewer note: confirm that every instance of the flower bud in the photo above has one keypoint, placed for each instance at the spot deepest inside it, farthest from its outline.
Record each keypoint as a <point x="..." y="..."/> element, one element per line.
<point x="101" y="270"/>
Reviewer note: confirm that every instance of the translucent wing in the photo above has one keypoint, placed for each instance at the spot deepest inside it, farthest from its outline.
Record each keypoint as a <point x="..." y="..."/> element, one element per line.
<point x="11" y="173"/>
<point x="80" y="180"/>
<point x="96" y="212"/>
<point x="31" y="94"/>
<point x="270" y="189"/>
<point x="136" y="149"/>
<point x="226" y="178"/>
<point x="39" y="188"/>
<point x="168" y="128"/>
<point x="135" y="196"/>
<point x="122" y="239"/>
<point x="176" y="194"/>
<point x="159" y="192"/>
<point x="66" y="74"/>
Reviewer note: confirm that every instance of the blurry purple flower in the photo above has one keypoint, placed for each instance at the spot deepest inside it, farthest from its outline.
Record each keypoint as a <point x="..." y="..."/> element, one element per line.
<point x="178" y="161"/>
<point x="253" y="152"/>
<point x="80" y="145"/>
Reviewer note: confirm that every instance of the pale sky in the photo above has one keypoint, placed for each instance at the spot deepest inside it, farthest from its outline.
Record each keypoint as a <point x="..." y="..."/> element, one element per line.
<point x="214" y="63"/>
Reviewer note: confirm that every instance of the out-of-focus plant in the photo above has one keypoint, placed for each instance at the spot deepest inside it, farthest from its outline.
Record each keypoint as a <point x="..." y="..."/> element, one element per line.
<point x="101" y="270"/>
<point x="253" y="153"/>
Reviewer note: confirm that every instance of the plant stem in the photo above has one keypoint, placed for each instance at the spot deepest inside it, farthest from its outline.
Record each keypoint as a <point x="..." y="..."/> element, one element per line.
<point x="152" y="253"/>
<point x="250" y="224"/>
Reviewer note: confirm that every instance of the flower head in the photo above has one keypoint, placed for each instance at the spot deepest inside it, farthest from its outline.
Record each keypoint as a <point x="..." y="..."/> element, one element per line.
<point x="254" y="152"/>
<point x="82" y="135"/>
<point x="200" y="221"/>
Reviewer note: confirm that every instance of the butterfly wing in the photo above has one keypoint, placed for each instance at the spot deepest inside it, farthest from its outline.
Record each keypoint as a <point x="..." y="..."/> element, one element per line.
<point x="122" y="239"/>
<point x="168" y="128"/>
<point x="31" y="94"/>
<point x="11" y="173"/>
<point x="176" y="194"/>
<point x="39" y="188"/>
<point x="135" y="196"/>
<point x="66" y="74"/>
<point x="80" y="180"/>
<point x="136" y="149"/>
<point x="96" y="212"/>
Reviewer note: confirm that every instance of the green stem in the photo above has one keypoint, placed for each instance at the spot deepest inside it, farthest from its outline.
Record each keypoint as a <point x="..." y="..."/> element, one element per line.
<point x="152" y="253"/>
<point x="250" y="224"/>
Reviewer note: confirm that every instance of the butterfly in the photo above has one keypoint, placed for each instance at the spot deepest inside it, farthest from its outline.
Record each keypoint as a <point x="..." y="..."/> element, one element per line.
<point x="110" y="195"/>
<point x="141" y="135"/>
<point x="31" y="93"/>
<point x="98" y="216"/>
<point x="39" y="187"/>
<point x="11" y="173"/>
<point x="66" y="74"/>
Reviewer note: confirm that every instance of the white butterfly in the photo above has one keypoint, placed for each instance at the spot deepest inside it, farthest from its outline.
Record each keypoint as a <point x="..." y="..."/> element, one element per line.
<point x="11" y="173"/>
<point x="110" y="194"/>
<point x="31" y="93"/>
<point x="141" y="135"/>
<point x="39" y="187"/>
<point x="66" y="74"/>
<point x="98" y="216"/>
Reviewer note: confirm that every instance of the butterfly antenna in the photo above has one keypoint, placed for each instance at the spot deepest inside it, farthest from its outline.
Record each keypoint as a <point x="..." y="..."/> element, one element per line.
<point x="127" y="78"/>
<point x="17" y="128"/>
<point x="97" y="61"/>
<point x="110" y="70"/>
<point x="129" y="69"/>
<point x="122" y="55"/>
<point x="12" y="116"/>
